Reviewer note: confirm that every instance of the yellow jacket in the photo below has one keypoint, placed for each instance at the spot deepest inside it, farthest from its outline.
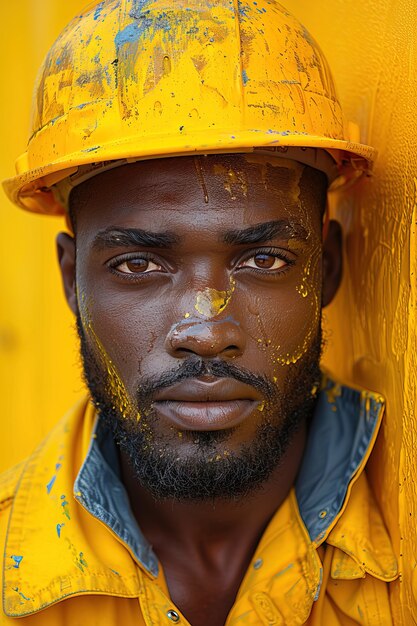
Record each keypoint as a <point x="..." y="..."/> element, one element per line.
<point x="73" y="555"/>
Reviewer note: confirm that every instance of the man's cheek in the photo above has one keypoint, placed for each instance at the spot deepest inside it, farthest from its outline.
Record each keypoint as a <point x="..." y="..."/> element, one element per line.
<point x="287" y="337"/>
<point x="104" y="344"/>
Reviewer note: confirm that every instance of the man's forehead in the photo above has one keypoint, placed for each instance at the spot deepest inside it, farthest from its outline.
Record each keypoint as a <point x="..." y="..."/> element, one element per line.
<point x="248" y="187"/>
<point x="150" y="173"/>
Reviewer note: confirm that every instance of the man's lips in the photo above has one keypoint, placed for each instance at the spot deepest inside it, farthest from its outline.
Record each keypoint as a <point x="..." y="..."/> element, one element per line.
<point x="207" y="403"/>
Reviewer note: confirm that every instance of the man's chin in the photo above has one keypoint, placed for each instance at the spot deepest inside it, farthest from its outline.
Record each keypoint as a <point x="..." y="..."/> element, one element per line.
<point x="202" y="465"/>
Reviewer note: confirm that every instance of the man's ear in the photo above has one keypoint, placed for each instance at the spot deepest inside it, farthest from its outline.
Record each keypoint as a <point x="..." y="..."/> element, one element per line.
<point x="66" y="257"/>
<point x="332" y="261"/>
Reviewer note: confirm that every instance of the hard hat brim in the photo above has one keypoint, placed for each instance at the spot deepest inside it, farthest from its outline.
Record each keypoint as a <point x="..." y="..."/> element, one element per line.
<point x="31" y="188"/>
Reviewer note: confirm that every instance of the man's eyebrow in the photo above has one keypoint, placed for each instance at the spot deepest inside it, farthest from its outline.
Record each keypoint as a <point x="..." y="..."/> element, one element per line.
<point x="261" y="233"/>
<point x="123" y="237"/>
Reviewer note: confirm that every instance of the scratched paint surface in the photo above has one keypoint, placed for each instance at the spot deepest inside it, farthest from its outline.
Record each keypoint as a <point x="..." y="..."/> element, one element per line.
<point x="39" y="382"/>
<point x="132" y="75"/>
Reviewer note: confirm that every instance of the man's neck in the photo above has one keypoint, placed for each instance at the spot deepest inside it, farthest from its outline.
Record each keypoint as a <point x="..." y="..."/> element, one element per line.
<point x="205" y="548"/>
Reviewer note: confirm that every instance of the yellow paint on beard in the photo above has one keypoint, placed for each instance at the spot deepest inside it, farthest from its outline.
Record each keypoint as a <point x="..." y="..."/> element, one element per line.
<point x="210" y="302"/>
<point x="115" y="387"/>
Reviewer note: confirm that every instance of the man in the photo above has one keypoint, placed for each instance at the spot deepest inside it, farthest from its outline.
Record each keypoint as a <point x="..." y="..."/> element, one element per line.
<point x="214" y="477"/>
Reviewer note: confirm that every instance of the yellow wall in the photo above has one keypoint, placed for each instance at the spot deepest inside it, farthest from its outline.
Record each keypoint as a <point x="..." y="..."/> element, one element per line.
<point x="371" y="47"/>
<point x="39" y="370"/>
<point x="371" y="328"/>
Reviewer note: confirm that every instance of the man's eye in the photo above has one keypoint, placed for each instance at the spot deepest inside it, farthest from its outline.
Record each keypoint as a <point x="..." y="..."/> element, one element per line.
<point x="137" y="265"/>
<point x="263" y="261"/>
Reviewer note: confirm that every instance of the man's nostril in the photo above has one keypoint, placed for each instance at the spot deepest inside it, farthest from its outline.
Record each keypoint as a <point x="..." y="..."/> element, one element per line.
<point x="185" y="351"/>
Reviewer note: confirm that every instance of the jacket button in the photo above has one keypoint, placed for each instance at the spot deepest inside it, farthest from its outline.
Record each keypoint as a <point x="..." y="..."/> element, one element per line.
<point x="173" y="616"/>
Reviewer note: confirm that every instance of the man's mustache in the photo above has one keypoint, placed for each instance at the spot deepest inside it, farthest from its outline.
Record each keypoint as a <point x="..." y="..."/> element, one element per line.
<point x="197" y="367"/>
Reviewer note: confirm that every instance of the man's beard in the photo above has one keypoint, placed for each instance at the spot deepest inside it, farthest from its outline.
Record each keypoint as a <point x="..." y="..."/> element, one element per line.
<point x="210" y="472"/>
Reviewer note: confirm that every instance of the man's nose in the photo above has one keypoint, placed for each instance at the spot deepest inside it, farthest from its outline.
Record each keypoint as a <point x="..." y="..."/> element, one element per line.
<point x="206" y="338"/>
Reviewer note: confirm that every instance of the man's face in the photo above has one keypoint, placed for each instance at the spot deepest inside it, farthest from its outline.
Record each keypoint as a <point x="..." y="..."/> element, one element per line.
<point x="198" y="292"/>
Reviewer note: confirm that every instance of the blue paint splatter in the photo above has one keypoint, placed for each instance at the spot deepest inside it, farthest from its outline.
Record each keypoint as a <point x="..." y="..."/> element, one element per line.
<point x="53" y="479"/>
<point x="98" y="10"/>
<point x="50" y="484"/>
<point x="65" y="509"/>
<point x="243" y="9"/>
<point x="16" y="589"/>
<point x="163" y="22"/>
<point x="128" y="35"/>
<point x="58" y="529"/>
<point x="138" y="8"/>
<point x="17" y="561"/>
<point x="134" y="31"/>
<point x="81" y="562"/>
<point x="245" y="77"/>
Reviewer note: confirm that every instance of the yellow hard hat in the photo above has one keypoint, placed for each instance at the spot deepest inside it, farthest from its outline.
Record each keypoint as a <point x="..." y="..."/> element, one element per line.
<point x="141" y="79"/>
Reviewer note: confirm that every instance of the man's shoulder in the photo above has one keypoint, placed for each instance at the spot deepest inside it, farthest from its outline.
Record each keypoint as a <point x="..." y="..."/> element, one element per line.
<point x="68" y="427"/>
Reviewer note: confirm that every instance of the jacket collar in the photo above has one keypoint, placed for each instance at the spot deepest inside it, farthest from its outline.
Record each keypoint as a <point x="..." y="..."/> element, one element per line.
<point x="45" y="514"/>
<point x="342" y="434"/>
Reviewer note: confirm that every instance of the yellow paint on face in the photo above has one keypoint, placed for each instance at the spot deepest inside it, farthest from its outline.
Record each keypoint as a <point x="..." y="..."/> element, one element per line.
<point x="200" y="175"/>
<point x="310" y="278"/>
<point x="287" y="358"/>
<point x="287" y="174"/>
<point x="234" y="180"/>
<point x="210" y="302"/>
<point x="307" y="290"/>
<point x="292" y="170"/>
<point x="115" y="386"/>
<point x="303" y="288"/>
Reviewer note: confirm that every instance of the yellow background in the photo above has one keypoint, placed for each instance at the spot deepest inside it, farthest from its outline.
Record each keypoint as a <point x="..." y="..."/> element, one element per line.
<point x="371" y="327"/>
